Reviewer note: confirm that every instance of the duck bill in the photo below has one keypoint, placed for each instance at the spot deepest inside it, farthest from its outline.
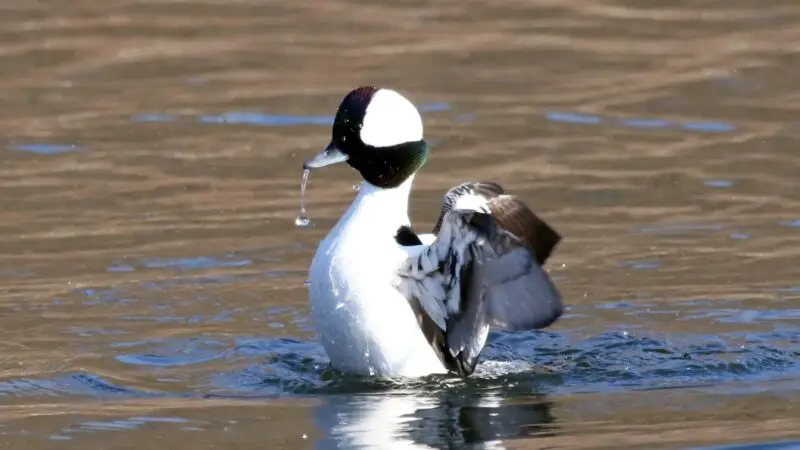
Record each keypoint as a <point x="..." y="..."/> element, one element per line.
<point x="331" y="155"/>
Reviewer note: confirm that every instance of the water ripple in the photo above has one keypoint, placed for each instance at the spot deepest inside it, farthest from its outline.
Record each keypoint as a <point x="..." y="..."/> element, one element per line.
<point x="551" y="362"/>
<point x="591" y="119"/>
<point x="265" y="119"/>
<point x="45" y="149"/>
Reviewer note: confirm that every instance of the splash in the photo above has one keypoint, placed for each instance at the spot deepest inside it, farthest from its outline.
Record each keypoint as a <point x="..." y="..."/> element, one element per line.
<point x="302" y="220"/>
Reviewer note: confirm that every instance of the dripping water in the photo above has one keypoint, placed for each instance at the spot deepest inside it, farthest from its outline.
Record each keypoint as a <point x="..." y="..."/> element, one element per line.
<point x="302" y="220"/>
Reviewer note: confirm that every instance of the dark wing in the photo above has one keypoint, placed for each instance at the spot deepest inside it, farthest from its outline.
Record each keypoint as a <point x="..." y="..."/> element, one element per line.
<point x="516" y="218"/>
<point x="477" y="273"/>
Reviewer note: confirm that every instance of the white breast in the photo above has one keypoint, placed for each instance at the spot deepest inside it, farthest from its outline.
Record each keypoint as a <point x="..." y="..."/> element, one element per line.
<point x="365" y="324"/>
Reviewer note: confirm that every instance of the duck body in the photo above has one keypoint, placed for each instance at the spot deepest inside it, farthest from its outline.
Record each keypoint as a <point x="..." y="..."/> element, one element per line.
<point x="389" y="302"/>
<point x="363" y="321"/>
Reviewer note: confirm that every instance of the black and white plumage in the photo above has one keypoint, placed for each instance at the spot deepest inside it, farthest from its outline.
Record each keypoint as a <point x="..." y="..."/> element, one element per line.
<point x="389" y="301"/>
<point x="483" y="269"/>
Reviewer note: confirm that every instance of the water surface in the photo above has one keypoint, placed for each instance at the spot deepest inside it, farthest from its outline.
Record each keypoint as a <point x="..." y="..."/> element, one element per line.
<point x="152" y="279"/>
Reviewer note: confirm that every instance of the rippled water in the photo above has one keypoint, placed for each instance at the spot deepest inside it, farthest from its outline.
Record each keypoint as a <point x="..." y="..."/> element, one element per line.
<point x="152" y="278"/>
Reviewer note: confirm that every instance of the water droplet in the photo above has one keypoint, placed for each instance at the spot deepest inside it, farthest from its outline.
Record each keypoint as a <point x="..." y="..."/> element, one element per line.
<point x="307" y="283"/>
<point x="356" y="187"/>
<point x="301" y="221"/>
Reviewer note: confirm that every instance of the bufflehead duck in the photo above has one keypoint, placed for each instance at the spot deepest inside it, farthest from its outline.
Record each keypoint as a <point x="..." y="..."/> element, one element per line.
<point x="390" y="302"/>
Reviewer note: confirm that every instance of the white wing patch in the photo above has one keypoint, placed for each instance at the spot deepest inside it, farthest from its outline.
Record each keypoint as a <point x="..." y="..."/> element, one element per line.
<point x="472" y="202"/>
<point x="427" y="239"/>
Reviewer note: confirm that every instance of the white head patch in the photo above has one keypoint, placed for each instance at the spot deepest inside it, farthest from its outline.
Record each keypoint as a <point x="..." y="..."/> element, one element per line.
<point x="390" y="120"/>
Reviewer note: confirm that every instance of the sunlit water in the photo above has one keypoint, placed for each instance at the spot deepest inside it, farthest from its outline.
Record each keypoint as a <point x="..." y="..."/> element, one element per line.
<point x="152" y="278"/>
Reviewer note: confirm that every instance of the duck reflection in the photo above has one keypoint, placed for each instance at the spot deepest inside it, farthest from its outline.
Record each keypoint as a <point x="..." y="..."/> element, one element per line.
<point x="420" y="420"/>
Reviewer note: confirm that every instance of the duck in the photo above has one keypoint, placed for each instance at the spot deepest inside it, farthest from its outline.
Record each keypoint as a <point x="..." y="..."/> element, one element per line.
<point x="390" y="302"/>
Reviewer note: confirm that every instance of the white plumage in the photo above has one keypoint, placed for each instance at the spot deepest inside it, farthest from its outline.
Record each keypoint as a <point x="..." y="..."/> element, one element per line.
<point x="363" y="321"/>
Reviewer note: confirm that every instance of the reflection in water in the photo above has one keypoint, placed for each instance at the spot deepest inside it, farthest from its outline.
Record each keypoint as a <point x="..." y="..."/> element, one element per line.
<point x="264" y="119"/>
<point x="44" y="149"/>
<point x="588" y="119"/>
<point x="781" y="445"/>
<point x="420" y="420"/>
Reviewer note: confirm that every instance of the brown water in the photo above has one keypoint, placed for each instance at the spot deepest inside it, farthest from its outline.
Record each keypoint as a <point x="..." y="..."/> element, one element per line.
<point x="151" y="275"/>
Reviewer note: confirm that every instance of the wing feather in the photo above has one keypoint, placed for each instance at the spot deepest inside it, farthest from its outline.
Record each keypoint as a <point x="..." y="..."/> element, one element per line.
<point x="468" y="195"/>
<point x="483" y="269"/>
